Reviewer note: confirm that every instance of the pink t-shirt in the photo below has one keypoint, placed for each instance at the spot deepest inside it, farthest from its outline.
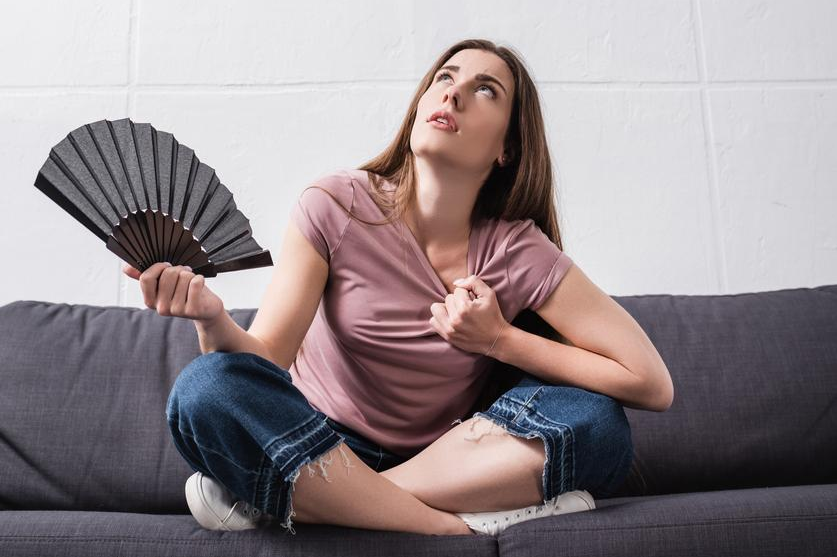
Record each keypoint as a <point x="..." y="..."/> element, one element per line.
<point x="371" y="360"/>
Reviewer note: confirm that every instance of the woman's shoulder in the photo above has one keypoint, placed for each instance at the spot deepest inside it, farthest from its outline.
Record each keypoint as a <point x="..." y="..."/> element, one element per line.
<point x="502" y="230"/>
<point x="336" y="180"/>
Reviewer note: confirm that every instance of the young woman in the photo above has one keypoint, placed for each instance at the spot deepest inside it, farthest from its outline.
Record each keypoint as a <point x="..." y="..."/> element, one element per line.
<point x="396" y="351"/>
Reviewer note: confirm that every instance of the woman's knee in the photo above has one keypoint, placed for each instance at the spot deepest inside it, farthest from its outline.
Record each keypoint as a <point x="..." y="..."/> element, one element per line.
<point x="196" y="387"/>
<point x="610" y="413"/>
<point x="607" y="443"/>
<point x="582" y="409"/>
<point x="606" y="425"/>
<point x="601" y="435"/>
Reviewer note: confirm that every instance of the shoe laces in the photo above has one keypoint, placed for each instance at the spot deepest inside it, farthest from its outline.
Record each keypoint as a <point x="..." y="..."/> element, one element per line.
<point x="532" y="512"/>
<point x="251" y="511"/>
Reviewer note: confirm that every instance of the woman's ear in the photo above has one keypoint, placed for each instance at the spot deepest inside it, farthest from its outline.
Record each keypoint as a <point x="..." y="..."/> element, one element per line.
<point x="507" y="156"/>
<point x="504" y="159"/>
<point x="511" y="154"/>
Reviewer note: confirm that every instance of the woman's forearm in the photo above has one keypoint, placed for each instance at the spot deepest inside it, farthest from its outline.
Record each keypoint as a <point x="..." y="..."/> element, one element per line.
<point x="560" y="364"/>
<point x="225" y="335"/>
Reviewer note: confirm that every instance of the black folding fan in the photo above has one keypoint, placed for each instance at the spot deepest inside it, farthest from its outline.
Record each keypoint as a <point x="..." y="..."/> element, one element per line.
<point x="149" y="198"/>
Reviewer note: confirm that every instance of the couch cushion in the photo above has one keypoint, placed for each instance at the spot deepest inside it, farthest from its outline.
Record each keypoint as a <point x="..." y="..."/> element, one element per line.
<point x="82" y="407"/>
<point x="93" y="534"/>
<point x="755" y="383"/>
<point x="760" y="521"/>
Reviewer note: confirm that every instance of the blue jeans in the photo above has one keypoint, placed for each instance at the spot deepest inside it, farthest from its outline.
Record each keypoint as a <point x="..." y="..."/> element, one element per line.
<point x="238" y="418"/>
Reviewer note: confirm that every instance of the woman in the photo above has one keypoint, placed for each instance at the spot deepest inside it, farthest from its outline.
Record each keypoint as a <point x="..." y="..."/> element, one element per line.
<point x="396" y="351"/>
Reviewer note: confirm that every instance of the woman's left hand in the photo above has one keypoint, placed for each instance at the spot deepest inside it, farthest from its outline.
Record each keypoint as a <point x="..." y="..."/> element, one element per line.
<point x="469" y="324"/>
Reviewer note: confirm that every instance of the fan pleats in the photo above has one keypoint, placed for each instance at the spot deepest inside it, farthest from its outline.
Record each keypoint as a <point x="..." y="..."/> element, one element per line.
<point x="149" y="198"/>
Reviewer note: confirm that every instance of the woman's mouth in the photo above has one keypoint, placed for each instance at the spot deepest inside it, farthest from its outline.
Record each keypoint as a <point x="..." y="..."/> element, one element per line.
<point x="441" y="125"/>
<point x="445" y="119"/>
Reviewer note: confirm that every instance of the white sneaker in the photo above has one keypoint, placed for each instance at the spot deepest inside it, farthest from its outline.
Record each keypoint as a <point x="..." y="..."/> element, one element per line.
<point x="494" y="522"/>
<point x="215" y="507"/>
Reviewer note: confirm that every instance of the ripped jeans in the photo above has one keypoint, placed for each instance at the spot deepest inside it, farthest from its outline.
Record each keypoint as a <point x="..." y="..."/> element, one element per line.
<point x="238" y="418"/>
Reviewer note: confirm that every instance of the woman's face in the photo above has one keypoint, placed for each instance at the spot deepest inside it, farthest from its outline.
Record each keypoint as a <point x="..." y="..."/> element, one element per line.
<point x="480" y="107"/>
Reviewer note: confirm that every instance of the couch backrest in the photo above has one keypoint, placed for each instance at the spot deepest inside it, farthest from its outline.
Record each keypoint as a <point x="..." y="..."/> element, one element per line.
<point x="82" y="407"/>
<point x="755" y="380"/>
<point x="84" y="389"/>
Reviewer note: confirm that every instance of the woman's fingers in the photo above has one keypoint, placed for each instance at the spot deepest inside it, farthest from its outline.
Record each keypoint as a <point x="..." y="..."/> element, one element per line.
<point x="193" y="299"/>
<point x="181" y="292"/>
<point x="463" y="297"/>
<point x="149" y="280"/>
<point x="166" y="287"/>
<point x="131" y="271"/>
<point x="176" y="291"/>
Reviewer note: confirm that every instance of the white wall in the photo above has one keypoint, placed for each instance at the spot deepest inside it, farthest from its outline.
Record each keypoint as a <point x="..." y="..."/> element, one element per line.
<point x="695" y="141"/>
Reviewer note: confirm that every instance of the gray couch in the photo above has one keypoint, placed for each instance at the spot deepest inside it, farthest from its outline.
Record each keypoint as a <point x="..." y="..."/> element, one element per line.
<point x="744" y="462"/>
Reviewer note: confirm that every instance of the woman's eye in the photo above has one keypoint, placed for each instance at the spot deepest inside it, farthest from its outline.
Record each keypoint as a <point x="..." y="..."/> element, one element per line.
<point x="493" y="92"/>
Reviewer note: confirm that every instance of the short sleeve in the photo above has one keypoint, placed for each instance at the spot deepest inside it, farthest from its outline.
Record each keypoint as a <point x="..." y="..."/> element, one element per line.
<point x="535" y="264"/>
<point x="319" y="217"/>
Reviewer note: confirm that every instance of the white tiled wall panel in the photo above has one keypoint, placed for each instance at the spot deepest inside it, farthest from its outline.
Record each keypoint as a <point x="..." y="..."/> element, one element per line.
<point x="47" y="254"/>
<point x="777" y="40"/>
<point x="64" y="44"/>
<point x="777" y="183"/>
<point x="634" y="186"/>
<point x="694" y="141"/>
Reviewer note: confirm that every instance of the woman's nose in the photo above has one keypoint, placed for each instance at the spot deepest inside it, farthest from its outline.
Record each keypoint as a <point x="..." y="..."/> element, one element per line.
<point x="453" y="95"/>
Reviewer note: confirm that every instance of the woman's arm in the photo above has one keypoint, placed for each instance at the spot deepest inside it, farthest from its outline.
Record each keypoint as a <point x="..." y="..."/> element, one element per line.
<point x="225" y="335"/>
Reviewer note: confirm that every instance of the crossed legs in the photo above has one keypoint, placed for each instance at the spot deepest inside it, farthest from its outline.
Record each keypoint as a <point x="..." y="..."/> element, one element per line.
<point x="494" y="471"/>
<point x="336" y="499"/>
<point x="480" y="467"/>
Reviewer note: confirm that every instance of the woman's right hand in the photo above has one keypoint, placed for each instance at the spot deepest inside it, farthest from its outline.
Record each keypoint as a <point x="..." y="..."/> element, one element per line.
<point x="176" y="291"/>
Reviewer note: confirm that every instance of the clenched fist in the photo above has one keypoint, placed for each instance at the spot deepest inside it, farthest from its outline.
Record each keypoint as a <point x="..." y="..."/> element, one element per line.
<point x="176" y="291"/>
